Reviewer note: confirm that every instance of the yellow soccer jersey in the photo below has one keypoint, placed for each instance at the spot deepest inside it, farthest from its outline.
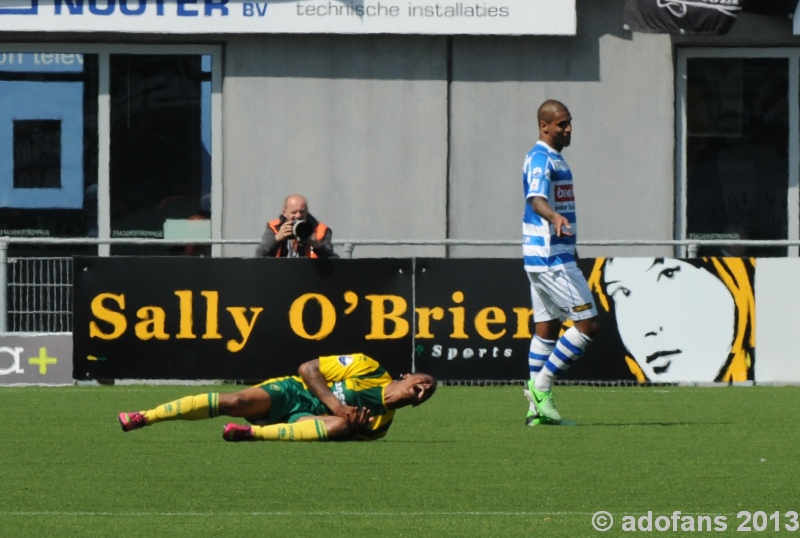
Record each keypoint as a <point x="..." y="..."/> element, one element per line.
<point x="359" y="381"/>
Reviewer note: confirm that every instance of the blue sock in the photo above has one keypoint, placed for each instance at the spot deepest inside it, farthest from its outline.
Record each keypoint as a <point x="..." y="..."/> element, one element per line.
<point x="568" y="349"/>
<point x="539" y="351"/>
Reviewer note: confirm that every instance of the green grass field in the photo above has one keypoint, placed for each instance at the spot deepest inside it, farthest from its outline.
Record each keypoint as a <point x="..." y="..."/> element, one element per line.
<point x="463" y="464"/>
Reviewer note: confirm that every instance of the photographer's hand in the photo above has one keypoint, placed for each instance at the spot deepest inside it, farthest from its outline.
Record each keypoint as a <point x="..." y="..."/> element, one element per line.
<point x="284" y="232"/>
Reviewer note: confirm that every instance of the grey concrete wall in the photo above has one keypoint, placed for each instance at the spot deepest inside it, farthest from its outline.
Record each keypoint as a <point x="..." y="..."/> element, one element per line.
<point x="619" y="89"/>
<point x="356" y="123"/>
<point x="369" y="128"/>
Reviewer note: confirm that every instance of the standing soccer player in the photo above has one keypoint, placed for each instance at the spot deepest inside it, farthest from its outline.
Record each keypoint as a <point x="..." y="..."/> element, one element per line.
<point x="558" y="288"/>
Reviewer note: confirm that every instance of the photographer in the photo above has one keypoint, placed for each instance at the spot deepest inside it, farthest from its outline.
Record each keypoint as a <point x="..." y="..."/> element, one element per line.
<point x="296" y="233"/>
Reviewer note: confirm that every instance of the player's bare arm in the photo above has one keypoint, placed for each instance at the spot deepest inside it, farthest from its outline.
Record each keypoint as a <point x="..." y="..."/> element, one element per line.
<point x="544" y="210"/>
<point x="346" y="421"/>
<point x="318" y="385"/>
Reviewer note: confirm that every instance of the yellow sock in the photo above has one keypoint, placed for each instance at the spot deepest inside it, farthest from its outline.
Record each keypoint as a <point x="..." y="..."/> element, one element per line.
<point x="188" y="408"/>
<point x="305" y="430"/>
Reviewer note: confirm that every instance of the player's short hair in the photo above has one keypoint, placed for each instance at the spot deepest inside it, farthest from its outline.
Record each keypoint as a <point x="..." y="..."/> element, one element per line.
<point x="548" y="109"/>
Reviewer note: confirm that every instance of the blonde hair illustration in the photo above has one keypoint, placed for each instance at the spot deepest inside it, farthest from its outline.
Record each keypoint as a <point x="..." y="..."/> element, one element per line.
<point x="737" y="276"/>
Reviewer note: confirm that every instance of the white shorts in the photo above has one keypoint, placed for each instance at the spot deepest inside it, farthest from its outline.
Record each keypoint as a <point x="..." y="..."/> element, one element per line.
<point x="561" y="294"/>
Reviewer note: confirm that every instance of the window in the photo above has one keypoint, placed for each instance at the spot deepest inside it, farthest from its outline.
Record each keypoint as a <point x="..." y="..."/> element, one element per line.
<point x="48" y="140"/>
<point x="37" y="154"/>
<point x="160" y="154"/>
<point x="734" y="140"/>
<point x="109" y="143"/>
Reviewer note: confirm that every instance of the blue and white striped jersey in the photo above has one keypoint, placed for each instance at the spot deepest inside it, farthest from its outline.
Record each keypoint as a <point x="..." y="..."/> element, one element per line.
<point x="546" y="174"/>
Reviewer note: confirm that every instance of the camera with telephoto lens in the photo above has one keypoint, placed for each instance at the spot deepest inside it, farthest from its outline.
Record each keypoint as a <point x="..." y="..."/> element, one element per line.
<point x="302" y="229"/>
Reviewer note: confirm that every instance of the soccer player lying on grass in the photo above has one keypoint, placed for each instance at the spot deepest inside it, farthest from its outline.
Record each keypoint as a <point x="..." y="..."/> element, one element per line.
<point x="347" y="397"/>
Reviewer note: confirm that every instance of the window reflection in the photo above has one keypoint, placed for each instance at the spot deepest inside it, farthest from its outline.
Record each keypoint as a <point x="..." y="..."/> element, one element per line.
<point x="160" y="146"/>
<point x="737" y="152"/>
<point x="48" y="148"/>
<point x="37" y="154"/>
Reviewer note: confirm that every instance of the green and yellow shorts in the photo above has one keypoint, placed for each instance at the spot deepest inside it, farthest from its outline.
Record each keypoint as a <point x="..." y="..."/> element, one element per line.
<point x="290" y="401"/>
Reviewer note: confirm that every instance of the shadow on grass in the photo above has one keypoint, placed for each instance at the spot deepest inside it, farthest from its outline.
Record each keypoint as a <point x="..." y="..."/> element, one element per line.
<point x="665" y="424"/>
<point x="419" y="442"/>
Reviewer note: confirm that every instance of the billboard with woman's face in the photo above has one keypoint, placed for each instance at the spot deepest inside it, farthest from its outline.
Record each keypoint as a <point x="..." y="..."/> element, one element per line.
<point x="680" y="320"/>
<point x="662" y="320"/>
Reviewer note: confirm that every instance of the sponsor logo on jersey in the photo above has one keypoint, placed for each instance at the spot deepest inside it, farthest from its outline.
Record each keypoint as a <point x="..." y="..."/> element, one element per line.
<point x="581" y="308"/>
<point x="563" y="193"/>
<point x="275" y="387"/>
<point x="345" y="360"/>
<point x="536" y="180"/>
<point x="338" y="390"/>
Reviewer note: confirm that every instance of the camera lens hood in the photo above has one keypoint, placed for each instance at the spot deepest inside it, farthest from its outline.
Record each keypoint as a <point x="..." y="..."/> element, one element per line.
<point x="302" y="229"/>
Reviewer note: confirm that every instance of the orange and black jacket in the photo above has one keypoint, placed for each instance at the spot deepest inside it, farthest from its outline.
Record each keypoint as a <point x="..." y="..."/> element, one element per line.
<point x="272" y="248"/>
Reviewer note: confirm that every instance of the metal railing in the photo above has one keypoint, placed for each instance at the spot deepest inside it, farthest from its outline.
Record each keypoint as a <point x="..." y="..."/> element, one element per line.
<point x="36" y="292"/>
<point x="39" y="295"/>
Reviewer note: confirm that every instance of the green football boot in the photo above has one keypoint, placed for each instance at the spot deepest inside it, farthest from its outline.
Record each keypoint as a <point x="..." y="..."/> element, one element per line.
<point x="543" y="400"/>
